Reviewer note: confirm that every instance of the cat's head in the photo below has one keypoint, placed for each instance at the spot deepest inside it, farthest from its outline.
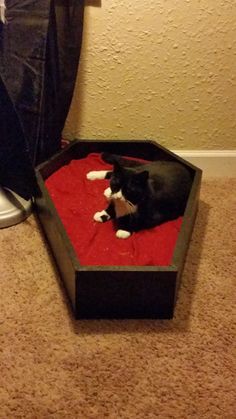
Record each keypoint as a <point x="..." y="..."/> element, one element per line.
<point x="133" y="186"/>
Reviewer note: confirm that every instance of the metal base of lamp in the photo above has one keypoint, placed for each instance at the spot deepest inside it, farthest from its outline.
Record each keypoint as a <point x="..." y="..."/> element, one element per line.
<point x="13" y="208"/>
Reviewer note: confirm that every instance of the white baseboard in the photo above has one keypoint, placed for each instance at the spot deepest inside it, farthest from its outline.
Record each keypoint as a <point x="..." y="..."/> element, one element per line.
<point x="214" y="163"/>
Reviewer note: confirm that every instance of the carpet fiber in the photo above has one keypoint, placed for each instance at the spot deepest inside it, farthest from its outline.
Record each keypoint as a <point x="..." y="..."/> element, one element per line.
<point x="52" y="366"/>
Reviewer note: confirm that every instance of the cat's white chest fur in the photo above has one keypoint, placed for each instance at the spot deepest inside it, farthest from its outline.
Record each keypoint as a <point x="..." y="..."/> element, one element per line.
<point x="122" y="207"/>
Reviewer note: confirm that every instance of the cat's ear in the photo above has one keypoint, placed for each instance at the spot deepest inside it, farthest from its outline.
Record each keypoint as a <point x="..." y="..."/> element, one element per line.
<point x="142" y="177"/>
<point x="117" y="167"/>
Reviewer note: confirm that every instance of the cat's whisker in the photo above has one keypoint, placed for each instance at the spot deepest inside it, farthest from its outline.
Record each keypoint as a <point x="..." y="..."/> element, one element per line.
<point x="130" y="207"/>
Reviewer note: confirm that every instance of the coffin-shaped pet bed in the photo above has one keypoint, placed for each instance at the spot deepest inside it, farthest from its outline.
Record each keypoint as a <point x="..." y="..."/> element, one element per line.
<point x="106" y="276"/>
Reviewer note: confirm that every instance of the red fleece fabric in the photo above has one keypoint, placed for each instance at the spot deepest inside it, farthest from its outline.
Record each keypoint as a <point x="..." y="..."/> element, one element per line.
<point x="77" y="199"/>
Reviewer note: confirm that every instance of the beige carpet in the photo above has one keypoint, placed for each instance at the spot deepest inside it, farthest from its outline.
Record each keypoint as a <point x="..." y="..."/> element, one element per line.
<point x="54" y="367"/>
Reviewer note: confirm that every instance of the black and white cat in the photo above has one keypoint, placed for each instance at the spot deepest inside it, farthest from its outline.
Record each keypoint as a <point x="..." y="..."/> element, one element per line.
<point x="140" y="195"/>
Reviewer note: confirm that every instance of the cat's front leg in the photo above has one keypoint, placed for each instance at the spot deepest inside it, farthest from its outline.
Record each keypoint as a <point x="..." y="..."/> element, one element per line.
<point x="105" y="215"/>
<point x="124" y="231"/>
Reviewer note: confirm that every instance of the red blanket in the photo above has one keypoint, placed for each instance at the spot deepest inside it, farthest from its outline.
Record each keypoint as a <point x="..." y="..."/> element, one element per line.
<point x="77" y="199"/>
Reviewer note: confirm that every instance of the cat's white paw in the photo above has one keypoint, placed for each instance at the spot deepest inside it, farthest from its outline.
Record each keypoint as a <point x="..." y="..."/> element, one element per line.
<point x="101" y="216"/>
<point x="96" y="174"/>
<point x="123" y="234"/>
<point x="91" y="175"/>
<point x="108" y="193"/>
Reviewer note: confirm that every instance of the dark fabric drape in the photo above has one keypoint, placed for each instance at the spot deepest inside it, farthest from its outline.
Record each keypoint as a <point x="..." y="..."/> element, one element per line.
<point x="16" y="170"/>
<point x="39" y="54"/>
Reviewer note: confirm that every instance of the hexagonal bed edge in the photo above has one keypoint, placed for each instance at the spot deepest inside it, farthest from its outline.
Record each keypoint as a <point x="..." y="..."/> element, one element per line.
<point x="115" y="291"/>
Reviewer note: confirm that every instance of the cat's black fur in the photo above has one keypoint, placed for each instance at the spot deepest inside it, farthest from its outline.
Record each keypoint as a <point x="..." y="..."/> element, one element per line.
<point x="158" y="189"/>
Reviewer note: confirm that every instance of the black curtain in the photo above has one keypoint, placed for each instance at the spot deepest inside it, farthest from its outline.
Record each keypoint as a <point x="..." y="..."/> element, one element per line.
<point x="39" y="54"/>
